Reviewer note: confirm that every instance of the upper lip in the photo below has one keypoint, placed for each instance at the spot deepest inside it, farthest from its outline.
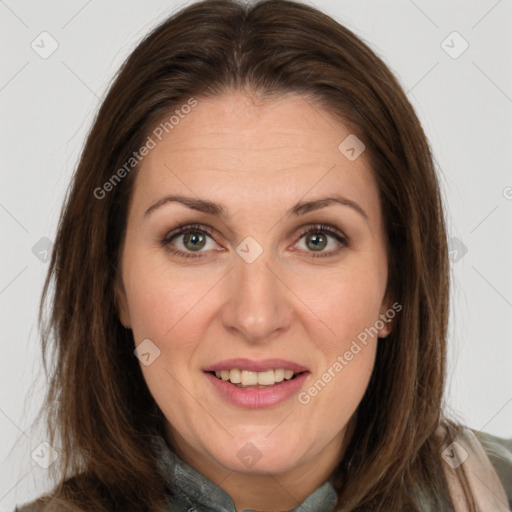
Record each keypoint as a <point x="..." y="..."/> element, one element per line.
<point x="255" y="366"/>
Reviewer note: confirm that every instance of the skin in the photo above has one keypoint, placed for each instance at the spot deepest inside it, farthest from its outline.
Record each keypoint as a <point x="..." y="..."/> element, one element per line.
<point x="258" y="159"/>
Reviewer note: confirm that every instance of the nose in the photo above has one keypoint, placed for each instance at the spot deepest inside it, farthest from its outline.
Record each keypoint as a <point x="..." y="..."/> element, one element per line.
<point x="258" y="307"/>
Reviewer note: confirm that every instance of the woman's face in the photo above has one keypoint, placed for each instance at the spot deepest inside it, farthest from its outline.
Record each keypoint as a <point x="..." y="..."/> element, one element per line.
<point x="260" y="285"/>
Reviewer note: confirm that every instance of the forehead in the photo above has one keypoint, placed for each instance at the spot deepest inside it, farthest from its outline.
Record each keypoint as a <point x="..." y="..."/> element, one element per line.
<point x="278" y="150"/>
<point x="243" y="124"/>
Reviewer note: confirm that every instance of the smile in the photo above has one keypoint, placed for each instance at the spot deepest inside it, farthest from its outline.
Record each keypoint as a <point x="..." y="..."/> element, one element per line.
<point x="257" y="396"/>
<point x="250" y="380"/>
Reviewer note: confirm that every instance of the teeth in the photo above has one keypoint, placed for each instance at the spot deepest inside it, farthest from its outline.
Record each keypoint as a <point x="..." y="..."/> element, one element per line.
<point x="249" y="378"/>
<point x="235" y="376"/>
<point x="257" y="379"/>
<point x="266" y="378"/>
<point x="279" y="375"/>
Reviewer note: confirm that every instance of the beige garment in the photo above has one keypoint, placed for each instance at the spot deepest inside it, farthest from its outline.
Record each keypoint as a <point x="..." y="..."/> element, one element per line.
<point x="467" y="455"/>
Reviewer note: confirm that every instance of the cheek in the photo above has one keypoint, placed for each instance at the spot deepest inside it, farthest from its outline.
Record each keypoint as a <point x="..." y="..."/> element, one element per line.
<point x="158" y="300"/>
<point x="339" y="313"/>
<point x="346" y="358"/>
<point x="337" y="399"/>
<point x="173" y="311"/>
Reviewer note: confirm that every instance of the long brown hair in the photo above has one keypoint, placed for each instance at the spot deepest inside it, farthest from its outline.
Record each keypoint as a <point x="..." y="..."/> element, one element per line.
<point x="99" y="412"/>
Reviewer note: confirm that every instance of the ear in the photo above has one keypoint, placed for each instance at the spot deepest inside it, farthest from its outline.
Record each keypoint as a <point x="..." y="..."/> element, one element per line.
<point x="387" y="313"/>
<point x="121" y="304"/>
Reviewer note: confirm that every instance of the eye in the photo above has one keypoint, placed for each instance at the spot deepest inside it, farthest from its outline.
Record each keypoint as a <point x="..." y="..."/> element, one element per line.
<point x="315" y="240"/>
<point x="194" y="239"/>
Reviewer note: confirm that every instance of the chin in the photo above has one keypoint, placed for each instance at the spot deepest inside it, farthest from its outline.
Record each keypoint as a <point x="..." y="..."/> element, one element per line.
<point x="260" y="456"/>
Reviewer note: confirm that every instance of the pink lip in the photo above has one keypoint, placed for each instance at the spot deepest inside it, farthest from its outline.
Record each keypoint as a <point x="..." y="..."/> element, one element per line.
<point x="255" y="366"/>
<point x="258" y="398"/>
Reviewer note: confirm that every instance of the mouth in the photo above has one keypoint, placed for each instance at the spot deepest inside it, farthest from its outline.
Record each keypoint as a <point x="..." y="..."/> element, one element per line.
<point x="251" y="374"/>
<point x="262" y="385"/>
<point x="256" y="380"/>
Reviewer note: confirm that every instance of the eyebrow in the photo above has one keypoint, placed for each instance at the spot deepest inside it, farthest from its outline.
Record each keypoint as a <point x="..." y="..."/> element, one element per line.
<point x="218" y="210"/>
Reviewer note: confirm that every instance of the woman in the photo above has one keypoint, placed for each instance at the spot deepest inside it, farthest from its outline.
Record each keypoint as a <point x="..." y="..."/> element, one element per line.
<point x="251" y="285"/>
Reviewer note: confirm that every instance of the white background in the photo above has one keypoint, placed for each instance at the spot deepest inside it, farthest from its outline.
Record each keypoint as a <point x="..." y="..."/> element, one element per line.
<point x="465" y="104"/>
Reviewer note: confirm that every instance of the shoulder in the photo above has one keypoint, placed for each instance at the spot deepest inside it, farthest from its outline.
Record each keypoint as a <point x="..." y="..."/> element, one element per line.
<point x="42" y="504"/>
<point x="499" y="451"/>
<point x="57" y="500"/>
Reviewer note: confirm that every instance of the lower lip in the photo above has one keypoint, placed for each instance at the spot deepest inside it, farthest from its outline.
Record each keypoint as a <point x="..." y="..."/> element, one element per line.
<point x="258" y="398"/>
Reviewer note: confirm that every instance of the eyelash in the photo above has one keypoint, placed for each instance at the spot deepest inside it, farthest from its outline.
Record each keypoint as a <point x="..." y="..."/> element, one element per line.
<point x="198" y="228"/>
